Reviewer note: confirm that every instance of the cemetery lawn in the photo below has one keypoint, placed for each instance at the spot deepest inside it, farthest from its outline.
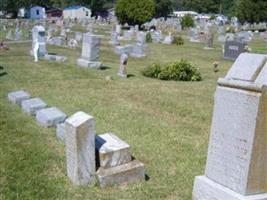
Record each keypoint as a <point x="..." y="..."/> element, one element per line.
<point x="166" y="123"/>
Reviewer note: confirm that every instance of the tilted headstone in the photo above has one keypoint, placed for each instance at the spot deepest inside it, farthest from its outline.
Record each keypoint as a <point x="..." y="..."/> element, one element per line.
<point x="237" y="155"/>
<point x="80" y="148"/>
<point x="90" y="51"/>
<point x="232" y="49"/>
<point x="116" y="166"/>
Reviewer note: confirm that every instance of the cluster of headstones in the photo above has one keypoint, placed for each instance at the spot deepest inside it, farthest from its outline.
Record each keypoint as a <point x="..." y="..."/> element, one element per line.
<point x="90" y="158"/>
<point x="236" y="166"/>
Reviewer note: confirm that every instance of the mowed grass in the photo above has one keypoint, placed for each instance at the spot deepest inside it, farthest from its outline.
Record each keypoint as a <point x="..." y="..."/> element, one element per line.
<point x="166" y="123"/>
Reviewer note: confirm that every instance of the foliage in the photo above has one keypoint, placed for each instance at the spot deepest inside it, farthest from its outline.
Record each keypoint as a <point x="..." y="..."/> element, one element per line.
<point x="187" y="21"/>
<point x="152" y="71"/>
<point x="251" y="10"/>
<point x="178" y="71"/>
<point x="148" y="37"/>
<point x="178" y="40"/>
<point x="163" y="8"/>
<point x="134" y="11"/>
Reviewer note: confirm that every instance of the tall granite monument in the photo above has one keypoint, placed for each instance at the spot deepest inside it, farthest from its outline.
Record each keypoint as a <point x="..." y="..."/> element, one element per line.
<point x="90" y="51"/>
<point x="236" y="166"/>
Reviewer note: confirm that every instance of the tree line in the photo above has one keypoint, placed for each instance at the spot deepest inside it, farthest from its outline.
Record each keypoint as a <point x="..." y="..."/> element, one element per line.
<point x="246" y="10"/>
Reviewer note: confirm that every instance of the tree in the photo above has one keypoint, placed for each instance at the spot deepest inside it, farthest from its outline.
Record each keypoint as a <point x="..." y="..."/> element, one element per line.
<point x="187" y="21"/>
<point x="163" y="8"/>
<point x="134" y="11"/>
<point x="251" y="10"/>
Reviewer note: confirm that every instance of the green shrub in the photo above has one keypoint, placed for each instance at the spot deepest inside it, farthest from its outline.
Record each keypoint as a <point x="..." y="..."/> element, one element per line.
<point x="152" y="71"/>
<point x="148" y="38"/>
<point x="178" y="40"/>
<point x="178" y="71"/>
<point x="187" y="21"/>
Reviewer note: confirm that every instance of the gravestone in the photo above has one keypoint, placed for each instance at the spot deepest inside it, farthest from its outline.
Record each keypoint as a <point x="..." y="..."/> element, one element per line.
<point x="61" y="131"/>
<point x="232" y="49"/>
<point x="114" y="38"/>
<point x="138" y="51"/>
<point x="128" y="49"/>
<point x="90" y="51"/>
<point x="168" y="39"/>
<point x="156" y="36"/>
<point x="141" y="37"/>
<point x="127" y="35"/>
<point x="18" y="96"/>
<point x="31" y="106"/>
<point x="210" y="38"/>
<point x="38" y="34"/>
<point x="78" y="36"/>
<point x="118" y="29"/>
<point x="18" y="34"/>
<point x="112" y="151"/>
<point x="194" y="36"/>
<point x="123" y="64"/>
<point x="237" y="158"/>
<point x="80" y="148"/>
<point x="116" y="164"/>
<point x="50" y="117"/>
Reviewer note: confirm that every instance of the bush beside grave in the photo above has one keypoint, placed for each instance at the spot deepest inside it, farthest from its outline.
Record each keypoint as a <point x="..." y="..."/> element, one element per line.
<point x="178" y="40"/>
<point x="178" y="71"/>
<point x="187" y="21"/>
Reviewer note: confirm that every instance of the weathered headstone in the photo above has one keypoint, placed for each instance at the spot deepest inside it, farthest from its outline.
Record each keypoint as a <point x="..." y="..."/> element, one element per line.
<point x="49" y="117"/>
<point x="78" y="36"/>
<point x="80" y="148"/>
<point x="168" y="39"/>
<point x="232" y="49"/>
<point x="123" y="64"/>
<point x="210" y="38"/>
<point x="112" y="151"/>
<point x="237" y="158"/>
<point x="31" y="106"/>
<point x="90" y="51"/>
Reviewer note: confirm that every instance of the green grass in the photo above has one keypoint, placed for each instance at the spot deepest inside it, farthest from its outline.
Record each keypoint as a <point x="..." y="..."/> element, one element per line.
<point x="166" y="123"/>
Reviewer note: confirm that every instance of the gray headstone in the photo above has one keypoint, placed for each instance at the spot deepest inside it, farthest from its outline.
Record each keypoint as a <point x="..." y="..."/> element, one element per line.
<point x="61" y="131"/>
<point x="38" y="32"/>
<point x="232" y="49"/>
<point x="49" y="117"/>
<point x="90" y="51"/>
<point x="80" y="148"/>
<point x="31" y="106"/>
<point x="237" y="159"/>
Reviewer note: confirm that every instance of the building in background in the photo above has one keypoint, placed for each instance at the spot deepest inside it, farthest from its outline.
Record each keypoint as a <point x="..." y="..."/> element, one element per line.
<point x="77" y="12"/>
<point x="53" y="12"/>
<point x="37" y="12"/>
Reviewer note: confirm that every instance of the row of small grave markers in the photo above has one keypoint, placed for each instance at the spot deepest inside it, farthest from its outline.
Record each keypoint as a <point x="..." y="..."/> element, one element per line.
<point x="113" y="163"/>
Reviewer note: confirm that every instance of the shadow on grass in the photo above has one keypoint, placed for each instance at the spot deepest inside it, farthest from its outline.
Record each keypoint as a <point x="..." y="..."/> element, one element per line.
<point x="130" y="75"/>
<point x="3" y="74"/>
<point x="104" y="67"/>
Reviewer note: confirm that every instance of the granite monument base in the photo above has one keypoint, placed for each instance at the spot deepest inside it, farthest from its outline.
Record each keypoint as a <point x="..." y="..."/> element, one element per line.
<point x="207" y="189"/>
<point x="89" y="64"/>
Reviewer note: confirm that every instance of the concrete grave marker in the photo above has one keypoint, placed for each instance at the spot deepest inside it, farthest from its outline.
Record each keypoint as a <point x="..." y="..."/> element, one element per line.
<point x="237" y="155"/>
<point x="18" y="96"/>
<point x="31" y="106"/>
<point x="80" y="148"/>
<point x="49" y="117"/>
<point x="112" y="151"/>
